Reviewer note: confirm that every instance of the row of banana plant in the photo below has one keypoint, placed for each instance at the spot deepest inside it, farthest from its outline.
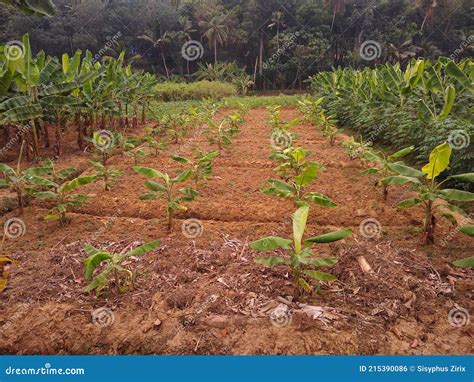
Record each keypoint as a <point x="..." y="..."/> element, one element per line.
<point x="59" y="187"/>
<point x="163" y="186"/>
<point x="392" y="171"/>
<point x="296" y="172"/>
<point x="422" y="105"/>
<point x="42" y="93"/>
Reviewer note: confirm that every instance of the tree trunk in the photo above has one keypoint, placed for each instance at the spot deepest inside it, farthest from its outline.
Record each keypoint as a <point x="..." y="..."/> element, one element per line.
<point x="58" y="139"/>
<point x="35" y="139"/>
<point x="164" y="64"/>
<point x="80" y="135"/>
<point x="143" y="115"/>
<point x="44" y="128"/>
<point x="215" y="51"/>
<point x="430" y="223"/>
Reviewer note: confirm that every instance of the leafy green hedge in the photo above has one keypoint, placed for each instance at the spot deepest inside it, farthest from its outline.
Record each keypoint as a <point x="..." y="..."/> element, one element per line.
<point x="173" y="91"/>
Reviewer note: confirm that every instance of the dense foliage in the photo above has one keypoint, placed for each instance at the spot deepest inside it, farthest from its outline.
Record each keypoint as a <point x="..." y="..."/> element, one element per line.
<point x="423" y="106"/>
<point x="278" y="43"/>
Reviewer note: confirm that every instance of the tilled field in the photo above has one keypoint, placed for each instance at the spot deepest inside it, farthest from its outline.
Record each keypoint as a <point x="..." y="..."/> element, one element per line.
<point x="207" y="296"/>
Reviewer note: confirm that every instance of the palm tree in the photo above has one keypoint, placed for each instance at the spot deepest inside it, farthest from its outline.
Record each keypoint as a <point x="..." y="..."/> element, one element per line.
<point x="185" y="33"/>
<point x="158" y="43"/>
<point x="337" y="6"/>
<point x="428" y="7"/>
<point x="216" y="31"/>
<point x="118" y="47"/>
<point x="277" y="21"/>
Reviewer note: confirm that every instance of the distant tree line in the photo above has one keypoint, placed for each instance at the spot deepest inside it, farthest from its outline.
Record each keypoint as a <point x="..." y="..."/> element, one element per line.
<point x="278" y="43"/>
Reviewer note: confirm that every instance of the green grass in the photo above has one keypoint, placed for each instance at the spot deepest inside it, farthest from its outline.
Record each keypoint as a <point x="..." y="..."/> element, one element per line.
<point x="261" y="101"/>
<point x="176" y="107"/>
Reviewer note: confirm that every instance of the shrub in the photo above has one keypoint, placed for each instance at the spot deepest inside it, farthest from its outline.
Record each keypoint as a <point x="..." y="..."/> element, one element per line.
<point x="172" y="91"/>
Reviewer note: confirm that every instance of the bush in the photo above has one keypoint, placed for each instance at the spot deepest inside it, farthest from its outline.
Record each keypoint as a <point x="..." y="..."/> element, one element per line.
<point x="172" y="91"/>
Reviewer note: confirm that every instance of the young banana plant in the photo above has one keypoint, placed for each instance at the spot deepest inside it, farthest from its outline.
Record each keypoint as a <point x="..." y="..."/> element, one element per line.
<point x="63" y="197"/>
<point x="156" y="146"/>
<point x="201" y="165"/>
<point x="113" y="267"/>
<point x="165" y="190"/>
<point x="428" y="189"/>
<point x="108" y="174"/>
<point x="220" y="135"/>
<point x="385" y="165"/>
<point x="329" y="127"/>
<point x="16" y="181"/>
<point x="299" y="256"/>
<point x="295" y="188"/>
<point x="137" y="154"/>
<point x="292" y="161"/>
<point x="357" y="149"/>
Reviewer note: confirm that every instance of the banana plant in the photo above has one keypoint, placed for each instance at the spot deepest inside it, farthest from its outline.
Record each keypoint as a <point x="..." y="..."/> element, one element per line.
<point x="16" y="180"/>
<point x="112" y="267"/>
<point x="330" y="130"/>
<point x="154" y="145"/>
<point x="385" y="165"/>
<point x="201" y="166"/>
<point x="221" y="134"/>
<point x="63" y="197"/>
<point x="429" y="189"/>
<point x="37" y="8"/>
<point x="137" y="154"/>
<point x="166" y="190"/>
<point x="295" y="188"/>
<point x="356" y="149"/>
<point x="292" y="161"/>
<point x="108" y="174"/>
<point x="299" y="255"/>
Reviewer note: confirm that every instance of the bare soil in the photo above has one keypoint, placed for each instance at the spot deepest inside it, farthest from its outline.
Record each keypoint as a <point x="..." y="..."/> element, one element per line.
<point x="206" y="295"/>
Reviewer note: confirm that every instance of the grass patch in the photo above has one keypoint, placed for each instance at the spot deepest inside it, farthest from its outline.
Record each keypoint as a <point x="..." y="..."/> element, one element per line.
<point x="174" y="91"/>
<point x="261" y="101"/>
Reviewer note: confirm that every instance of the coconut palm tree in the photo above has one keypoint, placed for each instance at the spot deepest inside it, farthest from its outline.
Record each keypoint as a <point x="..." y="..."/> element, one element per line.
<point x="277" y="21"/>
<point x="158" y="42"/>
<point x="337" y="6"/>
<point x="216" y="31"/>
<point x="185" y="33"/>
